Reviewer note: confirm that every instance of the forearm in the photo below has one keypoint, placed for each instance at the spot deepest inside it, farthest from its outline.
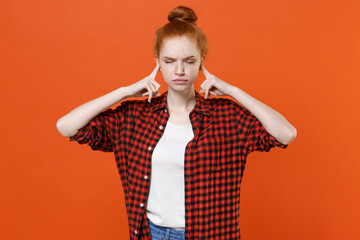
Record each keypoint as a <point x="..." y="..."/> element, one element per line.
<point x="275" y="123"/>
<point x="69" y="124"/>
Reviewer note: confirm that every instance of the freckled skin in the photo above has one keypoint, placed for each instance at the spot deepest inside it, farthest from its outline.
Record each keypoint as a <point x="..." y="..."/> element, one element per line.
<point x="174" y="62"/>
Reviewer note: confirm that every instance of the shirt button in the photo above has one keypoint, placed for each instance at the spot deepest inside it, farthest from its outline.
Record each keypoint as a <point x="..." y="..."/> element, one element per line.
<point x="149" y="148"/>
<point x="135" y="232"/>
<point x="141" y="205"/>
<point x="146" y="177"/>
<point x="161" y="127"/>
<point x="165" y="110"/>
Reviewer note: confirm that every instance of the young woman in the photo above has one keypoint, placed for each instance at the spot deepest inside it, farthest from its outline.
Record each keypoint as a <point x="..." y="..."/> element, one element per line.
<point x="180" y="155"/>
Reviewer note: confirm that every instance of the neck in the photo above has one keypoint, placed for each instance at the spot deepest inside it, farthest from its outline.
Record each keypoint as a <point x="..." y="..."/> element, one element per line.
<point x="181" y="101"/>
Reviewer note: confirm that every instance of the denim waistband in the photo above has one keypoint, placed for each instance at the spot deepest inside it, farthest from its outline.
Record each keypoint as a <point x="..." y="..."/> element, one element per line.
<point x="166" y="233"/>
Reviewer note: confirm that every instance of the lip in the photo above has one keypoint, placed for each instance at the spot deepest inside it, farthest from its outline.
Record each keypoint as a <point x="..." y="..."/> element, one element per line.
<point x="180" y="81"/>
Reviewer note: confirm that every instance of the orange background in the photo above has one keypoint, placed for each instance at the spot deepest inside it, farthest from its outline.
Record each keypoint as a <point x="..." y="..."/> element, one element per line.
<point x="299" y="57"/>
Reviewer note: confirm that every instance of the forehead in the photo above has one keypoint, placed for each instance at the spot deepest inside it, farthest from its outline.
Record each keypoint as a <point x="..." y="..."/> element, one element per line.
<point x="179" y="47"/>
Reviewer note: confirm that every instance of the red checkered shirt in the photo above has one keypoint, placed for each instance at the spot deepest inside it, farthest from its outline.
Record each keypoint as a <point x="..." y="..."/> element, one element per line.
<point x="224" y="134"/>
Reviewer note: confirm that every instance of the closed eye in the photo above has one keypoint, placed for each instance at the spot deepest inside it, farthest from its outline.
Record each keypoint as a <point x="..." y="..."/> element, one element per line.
<point x="189" y="59"/>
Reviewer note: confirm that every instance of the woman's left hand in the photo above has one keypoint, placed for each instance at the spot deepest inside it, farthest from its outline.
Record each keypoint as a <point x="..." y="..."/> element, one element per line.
<point x="213" y="85"/>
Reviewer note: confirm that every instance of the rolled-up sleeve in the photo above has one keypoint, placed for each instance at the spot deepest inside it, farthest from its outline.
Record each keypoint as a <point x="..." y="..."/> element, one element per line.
<point x="255" y="136"/>
<point x="101" y="130"/>
<point x="258" y="139"/>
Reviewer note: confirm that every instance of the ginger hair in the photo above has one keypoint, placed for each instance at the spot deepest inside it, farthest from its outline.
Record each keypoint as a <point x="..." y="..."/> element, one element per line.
<point x="182" y="22"/>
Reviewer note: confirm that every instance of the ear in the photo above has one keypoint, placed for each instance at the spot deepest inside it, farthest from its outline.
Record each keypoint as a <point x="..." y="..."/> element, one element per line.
<point x="202" y="61"/>
<point x="157" y="62"/>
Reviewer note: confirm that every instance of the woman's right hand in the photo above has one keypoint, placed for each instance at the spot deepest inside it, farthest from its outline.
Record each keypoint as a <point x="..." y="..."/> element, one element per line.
<point x="146" y="86"/>
<point x="70" y="124"/>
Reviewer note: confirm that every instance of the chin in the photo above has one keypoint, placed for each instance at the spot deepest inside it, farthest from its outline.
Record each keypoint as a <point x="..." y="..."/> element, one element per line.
<point x="181" y="88"/>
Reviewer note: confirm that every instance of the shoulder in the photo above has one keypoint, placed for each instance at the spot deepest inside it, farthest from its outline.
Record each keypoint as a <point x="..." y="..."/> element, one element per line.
<point x="221" y="103"/>
<point x="133" y="104"/>
<point x="139" y="105"/>
<point x="229" y="107"/>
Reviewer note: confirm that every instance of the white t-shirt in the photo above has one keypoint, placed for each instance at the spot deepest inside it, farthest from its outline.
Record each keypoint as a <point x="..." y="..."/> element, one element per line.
<point x="166" y="201"/>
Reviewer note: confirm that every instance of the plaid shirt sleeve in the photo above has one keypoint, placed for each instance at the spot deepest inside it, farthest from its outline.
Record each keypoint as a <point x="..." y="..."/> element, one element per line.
<point x="257" y="138"/>
<point x="99" y="132"/>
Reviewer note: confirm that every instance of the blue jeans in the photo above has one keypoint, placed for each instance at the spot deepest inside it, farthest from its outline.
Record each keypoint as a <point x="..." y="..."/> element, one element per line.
<point x="163" y="233"/>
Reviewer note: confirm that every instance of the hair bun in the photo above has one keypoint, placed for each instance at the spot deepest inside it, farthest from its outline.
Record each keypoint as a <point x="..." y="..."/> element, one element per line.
<point x="182" y="13"/>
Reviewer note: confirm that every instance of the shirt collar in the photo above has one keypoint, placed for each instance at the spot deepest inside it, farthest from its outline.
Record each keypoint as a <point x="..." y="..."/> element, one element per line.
<point x="201" y="106"/>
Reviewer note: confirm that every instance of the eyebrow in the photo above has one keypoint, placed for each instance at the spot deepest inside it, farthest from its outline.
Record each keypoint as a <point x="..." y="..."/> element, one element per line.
<point x="175" y="59"/>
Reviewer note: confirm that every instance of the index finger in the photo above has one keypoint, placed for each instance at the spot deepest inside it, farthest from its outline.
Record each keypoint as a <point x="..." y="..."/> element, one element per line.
<point x="153" y="74"/>
<point x="206" y="73"/>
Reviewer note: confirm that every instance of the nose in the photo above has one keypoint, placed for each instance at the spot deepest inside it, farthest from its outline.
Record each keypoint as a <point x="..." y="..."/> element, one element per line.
<point x="179" y="68"/>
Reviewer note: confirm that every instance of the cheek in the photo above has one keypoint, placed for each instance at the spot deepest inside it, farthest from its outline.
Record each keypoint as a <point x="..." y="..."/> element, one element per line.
<point x="166" y="68"/>
<point x="166" y="73"/>
<point x="194" y="70"/>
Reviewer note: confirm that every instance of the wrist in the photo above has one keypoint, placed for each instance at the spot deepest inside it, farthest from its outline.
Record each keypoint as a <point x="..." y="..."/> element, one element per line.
<point x="124" y="92"/>
<point x="232" y="91"/>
